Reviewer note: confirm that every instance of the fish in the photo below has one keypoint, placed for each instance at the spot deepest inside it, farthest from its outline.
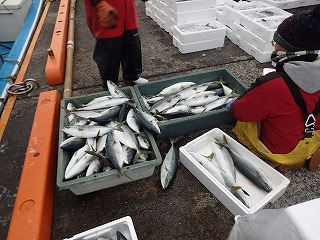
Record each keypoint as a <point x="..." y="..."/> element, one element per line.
<point x="216" y="104"/>
<point x="199" y="100"/>
<point x="143" y="141"/>
<point x="120" y="236"/>
<point x="70" y="107"/>
<point x="77" y="155"/>
<point x="178" y="109"/>
<point x="226" y="90"/>
<point x="79" y="166"/>
<point x="224" y="159"/>
<point x="86" y="131"/>
<point x="94" y="167"/>
<point x="169" y="165"/>
<point x="209" y="166"/>
<point x="152" y="100"/>
<point x="77" y="121"/>
<point x="115" y="90"/>
<point x="129" y="154"/>
<point x="124" y="112"/>
<point x="115" y="151"/>
<point x="174" y="88"/>
<point x="165" y="103"/>
<point x="73" y="143"/>
<point x="248" y="169"/>
<point x="127" y="137"/>
<point x="187" y="92"/>
<point x="132" y="121"/>
<point x="148" y="121"/>
<point x="105" y="104"/>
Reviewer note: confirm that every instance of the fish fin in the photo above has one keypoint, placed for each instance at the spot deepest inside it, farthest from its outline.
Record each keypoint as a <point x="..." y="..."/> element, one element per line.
<point x="235" y="188"/>
<point x="121" y="173"/>
<point x="245" y="192"/>
<point x="173" y="140"/>
<point x="78" y="103"/>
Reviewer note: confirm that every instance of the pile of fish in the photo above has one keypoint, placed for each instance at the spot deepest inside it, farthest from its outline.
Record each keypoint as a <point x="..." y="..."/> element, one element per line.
<point x="188" y="98"/>
<point x="108" y="132"/>
<point x="222" y="164"/>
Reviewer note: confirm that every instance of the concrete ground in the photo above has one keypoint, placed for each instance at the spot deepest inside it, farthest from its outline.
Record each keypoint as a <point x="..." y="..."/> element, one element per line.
<point x="186" y="210"/>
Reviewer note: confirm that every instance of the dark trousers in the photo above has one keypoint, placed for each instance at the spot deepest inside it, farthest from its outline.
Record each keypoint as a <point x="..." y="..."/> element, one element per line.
<point x="110" y="52"/>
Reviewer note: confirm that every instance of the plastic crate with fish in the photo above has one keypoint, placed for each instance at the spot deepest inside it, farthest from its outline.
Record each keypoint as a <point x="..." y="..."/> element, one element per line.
<point x="122" y="228"/>
<point x="202" y="117"/>
<point x="106" y="178"/>
<point x="243" y="192"/>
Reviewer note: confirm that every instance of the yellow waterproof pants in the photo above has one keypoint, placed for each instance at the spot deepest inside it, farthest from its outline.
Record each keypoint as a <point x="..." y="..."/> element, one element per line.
<point x="248" y="134"/>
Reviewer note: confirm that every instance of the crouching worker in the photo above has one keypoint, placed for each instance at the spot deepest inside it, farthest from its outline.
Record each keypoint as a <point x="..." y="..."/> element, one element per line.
<point x="114" y="24"/>
<point x="278" y="117"/>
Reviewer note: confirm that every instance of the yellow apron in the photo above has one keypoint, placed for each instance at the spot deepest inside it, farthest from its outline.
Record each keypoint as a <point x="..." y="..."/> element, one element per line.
<point x="248" y="134"/>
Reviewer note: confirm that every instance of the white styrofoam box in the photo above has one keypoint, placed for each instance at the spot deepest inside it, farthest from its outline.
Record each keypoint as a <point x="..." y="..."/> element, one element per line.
<point x="259" y="43"/>
<point x="159" y="21"/>
<point x="12" y="17"/>
<point x="186" y="6"/>
<point x="265" y="27"/>
<point x="239" y="30"/>
<point x="199" y="31"/>
<point x="220" y="17"/>
<point x="229" y="10"/>
<point x="284" y="4"/>
<point x="197" y="46"/>
<point x="108" y="230"/>
<point x="228" y="32"/>
<point x="246" y="17"/>
<point x="193" y="15"/>
<point x="257" y="199"/>
<point x="168" y="24"/>
<point x="261" y="57"/>
<point x="162" y="6"/>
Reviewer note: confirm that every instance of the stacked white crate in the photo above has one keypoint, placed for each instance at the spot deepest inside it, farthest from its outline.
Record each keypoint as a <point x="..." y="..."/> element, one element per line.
<point x="288" y="4"/>
<point x="247" y="24"/>
<point x="170" y="13"/>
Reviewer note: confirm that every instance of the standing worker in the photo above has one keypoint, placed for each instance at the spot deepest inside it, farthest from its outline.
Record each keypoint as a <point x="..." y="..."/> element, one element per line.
<point x="114" y="24"/>
<point x="278" y="117"/>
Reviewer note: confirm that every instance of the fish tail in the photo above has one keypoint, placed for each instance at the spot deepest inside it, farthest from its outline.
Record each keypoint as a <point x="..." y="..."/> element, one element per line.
<point x="173" y="140"/>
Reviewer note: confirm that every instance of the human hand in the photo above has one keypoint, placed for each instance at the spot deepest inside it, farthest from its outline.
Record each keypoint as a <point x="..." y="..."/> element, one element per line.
<point x="230" y="103"/>
<point x="107" y="15"/>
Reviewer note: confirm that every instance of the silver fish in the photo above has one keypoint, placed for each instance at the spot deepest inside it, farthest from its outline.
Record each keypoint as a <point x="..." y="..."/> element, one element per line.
<point x="187" y="92"/>
<point x="86" y="131"/>
<point x="199" y="100"/>
<point x="152" y="100"/>
<point x="73" y="143"/>
<point x="224" y="159"/>
<point x="209" y="166"/>
<point x="132" y="121"/>
<point x="248" y="169"/>
<point x="169" y="166"/>
<point x="79" y="166"/>
<point x="127" y="137"/>
<point x="94" y="167"/>
<point x="143" y="141"/>
<point x="115" y="151"/>
<point x="178" y="109"/>
<point x="165" y="103"/>
<point x="115" y="90"/>
<point x="174" y="88"/>
<point x="148" y="121"/>
<point x="105" y="104"/>
<point x="215" y="104"/>
<point x="77" y="155"/>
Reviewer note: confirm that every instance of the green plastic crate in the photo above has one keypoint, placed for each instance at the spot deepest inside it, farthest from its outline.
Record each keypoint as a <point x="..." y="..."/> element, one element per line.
<point x="183" y="125"/>
<point x="110" y="178"/>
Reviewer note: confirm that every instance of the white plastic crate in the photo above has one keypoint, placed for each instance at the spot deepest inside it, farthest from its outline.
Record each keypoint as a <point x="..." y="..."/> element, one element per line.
<point x="266" y="27"/>
<point x="239" y="30"/>
<point x="199" y="31"/>
<point x="108" y="230"/>
<point x="229" y="10"/>
<point x="246" y="17"/>
<point x="259" y="43"/>
<point x="193" y="15"/>
<point x="257" y="199"/>
<point x="261" y="57"/>
<point x="185" y="6"/>
<point x="197" y="46"/>
<point x="12" y="16"/>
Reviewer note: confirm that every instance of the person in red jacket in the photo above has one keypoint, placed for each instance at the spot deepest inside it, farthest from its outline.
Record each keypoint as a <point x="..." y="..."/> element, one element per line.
<point x="114" y="24"/>
<point x="278" y="116"/>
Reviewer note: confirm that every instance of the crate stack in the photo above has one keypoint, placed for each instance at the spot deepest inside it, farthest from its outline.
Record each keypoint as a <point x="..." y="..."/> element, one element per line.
<point x="191" y="23"/>
<point x="251" y="26"/>
<point x="289" y="4"/>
